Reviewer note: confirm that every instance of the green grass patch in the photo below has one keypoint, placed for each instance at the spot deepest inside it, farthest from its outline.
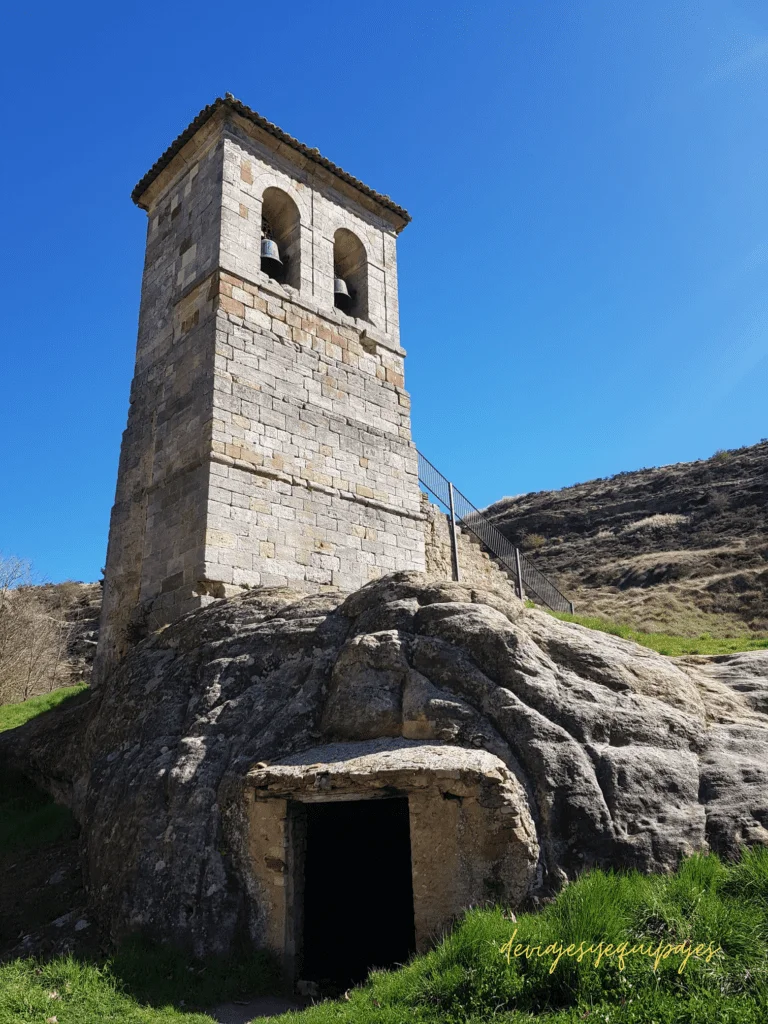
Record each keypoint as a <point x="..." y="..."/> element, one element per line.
<point x="468" y="979"/>
<point x="161" y="975"/>
<point x="671" y="645"/>
<point x="14" y="715"/>
<point x="142" y="984"/>
<point x="75" y="993"/>
<point x="29" y="818"/>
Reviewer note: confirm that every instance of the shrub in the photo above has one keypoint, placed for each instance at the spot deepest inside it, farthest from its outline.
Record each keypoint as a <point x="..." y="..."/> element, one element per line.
<point x="33" y="642"/>
<point x="533" y="541"/>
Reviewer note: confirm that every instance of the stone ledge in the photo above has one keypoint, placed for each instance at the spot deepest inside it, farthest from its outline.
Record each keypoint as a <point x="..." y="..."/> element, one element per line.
<point x="370" y="336"/>
<point x="373" y="335"/>
<point x="297" y="481"/>
<point x="345" y="764"/>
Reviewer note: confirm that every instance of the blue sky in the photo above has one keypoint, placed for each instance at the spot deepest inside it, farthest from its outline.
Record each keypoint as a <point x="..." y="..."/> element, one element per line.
<point x="583" y="287"/>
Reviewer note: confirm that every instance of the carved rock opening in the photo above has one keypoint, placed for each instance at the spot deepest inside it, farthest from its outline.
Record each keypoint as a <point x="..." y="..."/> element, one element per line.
<point x="471" y="840"/>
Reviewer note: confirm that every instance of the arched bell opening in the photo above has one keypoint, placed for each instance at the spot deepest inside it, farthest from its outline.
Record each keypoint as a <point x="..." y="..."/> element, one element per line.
<point x="350" y="274"/>
<point x="280" y="237"/>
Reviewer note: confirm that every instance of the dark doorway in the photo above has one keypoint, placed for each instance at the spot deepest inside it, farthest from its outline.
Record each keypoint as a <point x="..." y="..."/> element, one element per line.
<point x="358" y="897"/>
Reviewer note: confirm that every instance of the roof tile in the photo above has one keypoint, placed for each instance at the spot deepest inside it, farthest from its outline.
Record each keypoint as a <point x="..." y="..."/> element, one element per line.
<point x="240" y="108"/>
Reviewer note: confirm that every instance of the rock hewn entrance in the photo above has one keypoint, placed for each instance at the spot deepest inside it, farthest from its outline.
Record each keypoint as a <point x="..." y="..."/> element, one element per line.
<point x="343" y="815"/>
<point x="358" y="898"/>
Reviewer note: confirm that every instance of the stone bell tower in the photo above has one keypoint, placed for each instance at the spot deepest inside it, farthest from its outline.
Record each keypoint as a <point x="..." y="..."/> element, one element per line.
<point x="268" y="438"/>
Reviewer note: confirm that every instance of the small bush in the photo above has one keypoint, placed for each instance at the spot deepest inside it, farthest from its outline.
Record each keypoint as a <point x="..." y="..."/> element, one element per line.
<point x="533" y="541"/>
<point x="33" y="642"/>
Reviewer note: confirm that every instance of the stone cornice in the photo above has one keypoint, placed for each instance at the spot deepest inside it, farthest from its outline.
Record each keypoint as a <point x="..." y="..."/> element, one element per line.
<point x="286" y="478"/>
<point x="229" y="105"/>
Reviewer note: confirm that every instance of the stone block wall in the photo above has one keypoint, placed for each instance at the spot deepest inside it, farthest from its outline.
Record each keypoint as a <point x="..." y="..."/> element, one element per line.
<point x="268" y="435"/>
<point x="157" y="522"/>
<point x="476" y="566"/>
<point x="314" y="475"/>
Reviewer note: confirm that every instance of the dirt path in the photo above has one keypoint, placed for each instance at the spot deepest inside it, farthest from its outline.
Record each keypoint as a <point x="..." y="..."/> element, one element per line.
<point x="264" y="1006"/>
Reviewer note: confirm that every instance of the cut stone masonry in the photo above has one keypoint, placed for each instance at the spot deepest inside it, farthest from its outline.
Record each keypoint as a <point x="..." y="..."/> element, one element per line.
<point x="268" y="438"/>
<point x="476" y="566"/>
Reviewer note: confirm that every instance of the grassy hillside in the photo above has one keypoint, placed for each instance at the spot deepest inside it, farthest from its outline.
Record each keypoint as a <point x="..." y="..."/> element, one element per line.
<point x="468" y="977"/>
<point x="13" y="715"/>
<point x="665" y="643"/>
<point x="475" y="974"/>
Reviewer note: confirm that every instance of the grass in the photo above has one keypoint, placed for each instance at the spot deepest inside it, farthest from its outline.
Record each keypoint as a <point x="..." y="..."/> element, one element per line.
<point x="14" y="715"/>
<point x="664" y="643"/>
<point x="29" y="818"/>
<point x="161" y="975"/>
<point x="73" y="992"/>
<point x="143" y="983"/>
<point x="467" y="978"/>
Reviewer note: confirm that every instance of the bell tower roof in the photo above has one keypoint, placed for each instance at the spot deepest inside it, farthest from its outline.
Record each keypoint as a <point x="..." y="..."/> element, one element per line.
<point x="228" y="104"/>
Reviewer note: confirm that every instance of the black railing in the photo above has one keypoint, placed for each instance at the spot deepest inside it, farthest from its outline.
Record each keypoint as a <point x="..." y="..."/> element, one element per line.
<point x="527" y="577"/>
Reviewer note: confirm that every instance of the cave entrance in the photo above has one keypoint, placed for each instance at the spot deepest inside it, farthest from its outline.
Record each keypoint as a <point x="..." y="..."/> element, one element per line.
<point x="357" y="905"/>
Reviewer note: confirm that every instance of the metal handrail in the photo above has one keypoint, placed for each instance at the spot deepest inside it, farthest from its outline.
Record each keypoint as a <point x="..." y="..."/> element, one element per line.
<point x="528" y="578"/>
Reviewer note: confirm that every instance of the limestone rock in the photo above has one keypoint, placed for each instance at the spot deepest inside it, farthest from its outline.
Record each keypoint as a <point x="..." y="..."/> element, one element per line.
<point x="569" y="748"/>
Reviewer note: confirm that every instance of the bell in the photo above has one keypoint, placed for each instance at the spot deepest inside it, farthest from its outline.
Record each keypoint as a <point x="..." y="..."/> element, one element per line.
<point x="341" y="297"/>
<point x="271" y="263"/>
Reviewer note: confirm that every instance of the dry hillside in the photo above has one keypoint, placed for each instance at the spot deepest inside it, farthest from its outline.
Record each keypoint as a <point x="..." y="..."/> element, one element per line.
<point x="680" y="549"/>
<point x="48" y="637"/>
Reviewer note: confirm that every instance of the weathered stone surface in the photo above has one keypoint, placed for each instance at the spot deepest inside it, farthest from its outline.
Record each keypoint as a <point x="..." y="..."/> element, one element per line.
<point x="613" y="755"/>
<point x="744" y="674"/>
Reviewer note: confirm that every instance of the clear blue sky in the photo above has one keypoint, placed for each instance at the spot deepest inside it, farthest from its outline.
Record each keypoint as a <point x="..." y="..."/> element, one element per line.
<point x="583" y="287"/>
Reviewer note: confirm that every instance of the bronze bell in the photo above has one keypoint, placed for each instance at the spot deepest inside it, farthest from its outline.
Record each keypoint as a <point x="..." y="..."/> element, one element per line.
<point x="271" y="263"/>
<point x="341" y="297"/>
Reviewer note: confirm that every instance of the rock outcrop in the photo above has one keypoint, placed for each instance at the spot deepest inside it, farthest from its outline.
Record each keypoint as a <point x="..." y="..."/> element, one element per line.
<point x="602" y="752"/>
